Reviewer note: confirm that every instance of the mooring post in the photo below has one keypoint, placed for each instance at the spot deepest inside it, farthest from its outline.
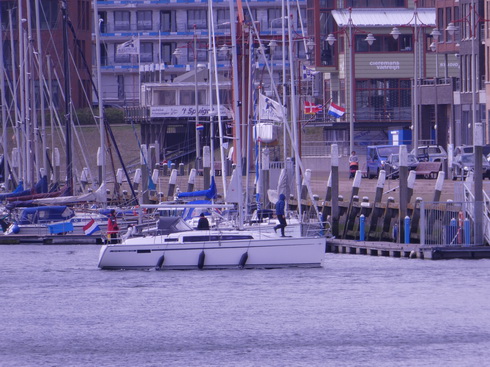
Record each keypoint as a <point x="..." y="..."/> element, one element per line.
<point x="171" y="183"/>
<point x="154" y="178"/>
<point x="206" y="166"/>
<point x="191" y="181"/>
<point x="57" y="166"/>
<point x="403" y="197"/>
<point x="144" y="173"/>
<point x="305" y="184"/>
<point x="264" y="177"/>
<point x="137" y="178"/>
<point x="406" y="229"/>
<point x="354" y="197"/>
<point x="387" y="219"/>
<point x="334" y="169"/>
<point x="362" y="220"/>
<point x="412" y="175"/>
<point x="327" y="210"/>
<point x="467" y="232"/>
<point x="376" y="213"/>
<point x="439" y="185"/>
<point x="99" y="165"/>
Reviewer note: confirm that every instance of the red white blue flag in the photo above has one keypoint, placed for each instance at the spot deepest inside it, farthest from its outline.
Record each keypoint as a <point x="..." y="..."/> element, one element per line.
<point x="199" y="127"/>
<point x="91" y="227"/>
<point x="311" y="108"/>
<point x="335" y="110"/>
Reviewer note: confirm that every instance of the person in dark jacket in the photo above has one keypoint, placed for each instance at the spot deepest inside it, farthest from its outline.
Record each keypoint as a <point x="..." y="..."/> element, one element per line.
<point x="280" y="208"/>
<point x="203" y="222"/>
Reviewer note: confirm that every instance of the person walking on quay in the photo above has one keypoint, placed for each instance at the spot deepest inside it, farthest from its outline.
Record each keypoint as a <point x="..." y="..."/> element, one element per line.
<point x="353" y="164"/>
<point x="112" y="227"/>
<point x="280" y="208"/>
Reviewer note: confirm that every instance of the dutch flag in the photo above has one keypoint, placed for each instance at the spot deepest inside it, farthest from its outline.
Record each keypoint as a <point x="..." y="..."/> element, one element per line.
<point x="335" y="110"/>
<point x="91" y="227"/>
<point x="199" y="127"/>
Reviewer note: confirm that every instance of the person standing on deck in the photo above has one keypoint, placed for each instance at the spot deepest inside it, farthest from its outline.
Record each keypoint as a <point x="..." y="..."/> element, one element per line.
<point x="112" y="227"/>
<point x="280" y="208"/>
<point x="203" y="223"/>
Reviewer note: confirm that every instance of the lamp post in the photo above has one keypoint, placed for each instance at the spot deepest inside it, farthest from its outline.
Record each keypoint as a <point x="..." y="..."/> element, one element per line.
<point x="331" y="40"/>
<point x="433" y="46"/>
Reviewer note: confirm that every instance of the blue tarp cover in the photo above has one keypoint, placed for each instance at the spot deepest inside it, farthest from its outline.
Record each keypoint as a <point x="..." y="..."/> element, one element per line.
<point x="60" y="228"/>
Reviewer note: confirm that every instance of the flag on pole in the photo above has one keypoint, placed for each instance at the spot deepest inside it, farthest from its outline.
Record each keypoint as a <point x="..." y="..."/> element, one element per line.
<point x="311" y="108"/>
<point x="90" y="228"/>
<point x="199" y="127"/>
<point x="309" y="73"/>
<point x="130" y="47"/>
<point x="335" y="110"/>
<point x="270" y="109"/>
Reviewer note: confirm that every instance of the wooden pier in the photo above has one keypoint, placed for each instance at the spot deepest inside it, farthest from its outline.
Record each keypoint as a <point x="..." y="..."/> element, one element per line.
<point x="412" y="251"/>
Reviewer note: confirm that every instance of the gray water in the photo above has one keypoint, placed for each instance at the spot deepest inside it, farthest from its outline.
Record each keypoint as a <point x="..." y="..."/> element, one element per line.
<point x="58" y="309"/>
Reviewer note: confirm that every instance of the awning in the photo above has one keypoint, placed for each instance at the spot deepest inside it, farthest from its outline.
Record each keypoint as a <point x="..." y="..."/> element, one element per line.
<point x="385" y="18"/>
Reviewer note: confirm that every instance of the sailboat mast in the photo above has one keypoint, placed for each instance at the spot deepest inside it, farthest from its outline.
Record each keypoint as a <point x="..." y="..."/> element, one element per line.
<point x="69" y="168"/>
<point x="294" y="116"/>
<point x="236" y="111"/>
<point x="40" y="60"/>
<point x="4" y="115"/>
<point x="97" y="23"/>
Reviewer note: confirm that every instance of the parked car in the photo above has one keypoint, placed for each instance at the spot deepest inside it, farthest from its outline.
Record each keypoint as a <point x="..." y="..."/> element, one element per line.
<point x="464" y="149"/>
<point x="377" y="156"/>
<point x="430" y="153"/>
<point x="464" y="163"/>
<point x="392" y="164"/>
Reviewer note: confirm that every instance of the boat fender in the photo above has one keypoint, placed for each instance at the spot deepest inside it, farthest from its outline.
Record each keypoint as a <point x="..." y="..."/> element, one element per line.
<point x="243" y="260"/>
<point x="160" y="262"/>
<point x="200" y="262"/>
<point x="15" y="229"/>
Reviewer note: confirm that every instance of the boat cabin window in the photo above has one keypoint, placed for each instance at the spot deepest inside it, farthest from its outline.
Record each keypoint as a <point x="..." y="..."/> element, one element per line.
<point x="205" y="238"/>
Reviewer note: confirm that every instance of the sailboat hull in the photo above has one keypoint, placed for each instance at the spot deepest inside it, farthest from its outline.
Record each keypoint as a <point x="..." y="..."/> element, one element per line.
<point x="270" y="252"/>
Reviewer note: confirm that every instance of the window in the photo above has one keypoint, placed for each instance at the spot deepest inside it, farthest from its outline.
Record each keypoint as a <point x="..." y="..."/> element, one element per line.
<point x="383" y="100"/>
<point x="197" y="18"/>
<point x="202" y="52"/>
<point x="223" y="18"/>
<point x="5" y="6"/>
<point x="144" y="20"/>
<point x="118" y="58"/>
<point x="167" y="52"/>
<point x="121" y="21"/>
<point x="120" y="87"/>
<point x="224" y="96"/>
<point x="166" y="98"/>
<point x="167" y="21"/>
<point x="274" y="17"/>
<point x="375" y="3"/>
<point x="384" y="43"/>
<point x="187" y="97"/>
<point x="250" y="15"/>
<point x="146" y="52"/>
<point x="49" y="11"/>
<point x="83" y="16"/>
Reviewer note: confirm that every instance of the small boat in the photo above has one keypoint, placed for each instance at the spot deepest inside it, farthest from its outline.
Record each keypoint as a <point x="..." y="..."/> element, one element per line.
<point x="175" y="245"/>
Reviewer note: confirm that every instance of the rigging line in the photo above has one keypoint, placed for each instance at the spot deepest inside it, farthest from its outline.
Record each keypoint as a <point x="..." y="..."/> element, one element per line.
<point x="107" y="126"/>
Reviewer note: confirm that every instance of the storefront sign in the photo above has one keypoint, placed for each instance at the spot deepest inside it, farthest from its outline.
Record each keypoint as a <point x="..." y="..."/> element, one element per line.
<point x="185" y="111"/>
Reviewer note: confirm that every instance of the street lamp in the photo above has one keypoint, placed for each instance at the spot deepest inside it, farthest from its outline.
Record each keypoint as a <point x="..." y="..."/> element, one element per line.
<point x="331" y="40"/>
<point x="433" y="46"/>
<point x="416" y="65"/>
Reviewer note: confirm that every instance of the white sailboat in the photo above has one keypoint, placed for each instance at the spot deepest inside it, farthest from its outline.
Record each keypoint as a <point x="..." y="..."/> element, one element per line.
<point x="177" y="246"/>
